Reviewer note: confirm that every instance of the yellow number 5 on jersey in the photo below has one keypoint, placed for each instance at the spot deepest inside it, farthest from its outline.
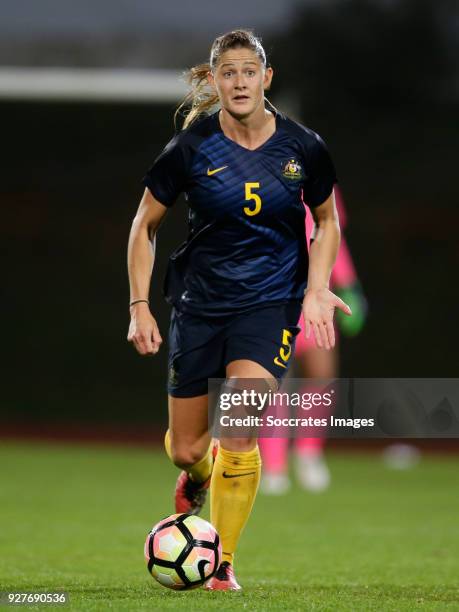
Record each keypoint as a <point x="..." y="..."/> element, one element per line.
<point x="284" y="354"/>
<point x="249" y="195"/>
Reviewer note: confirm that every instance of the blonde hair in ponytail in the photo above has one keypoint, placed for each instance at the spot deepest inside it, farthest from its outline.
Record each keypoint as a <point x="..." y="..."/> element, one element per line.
<point x="202" y="97"/>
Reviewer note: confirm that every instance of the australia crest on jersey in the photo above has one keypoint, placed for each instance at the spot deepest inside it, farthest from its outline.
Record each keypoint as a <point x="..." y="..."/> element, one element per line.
<point x="291" y="169"/>
<point x="173" y="376"/>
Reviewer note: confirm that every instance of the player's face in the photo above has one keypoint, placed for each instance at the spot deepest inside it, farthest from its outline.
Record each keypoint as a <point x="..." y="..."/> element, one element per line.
<point x="240" y="80"/>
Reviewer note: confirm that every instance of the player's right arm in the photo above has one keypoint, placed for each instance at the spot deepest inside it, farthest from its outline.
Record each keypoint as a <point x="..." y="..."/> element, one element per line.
<point x="143" y="329"/>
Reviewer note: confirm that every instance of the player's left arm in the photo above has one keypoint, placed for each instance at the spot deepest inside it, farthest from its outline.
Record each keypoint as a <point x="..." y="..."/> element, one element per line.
<point x="319" y="302"/>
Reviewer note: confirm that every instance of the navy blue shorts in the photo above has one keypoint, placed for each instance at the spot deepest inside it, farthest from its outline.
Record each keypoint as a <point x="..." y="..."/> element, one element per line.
<point x="200" y="348"/>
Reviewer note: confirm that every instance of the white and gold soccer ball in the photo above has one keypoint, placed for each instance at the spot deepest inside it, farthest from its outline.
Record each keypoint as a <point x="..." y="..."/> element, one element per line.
<point x="182" y="551"/>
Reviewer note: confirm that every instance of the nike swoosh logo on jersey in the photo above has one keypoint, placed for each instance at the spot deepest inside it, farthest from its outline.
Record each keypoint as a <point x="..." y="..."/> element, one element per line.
<point x="225" y="475"/>
<point x="211" y="172"/>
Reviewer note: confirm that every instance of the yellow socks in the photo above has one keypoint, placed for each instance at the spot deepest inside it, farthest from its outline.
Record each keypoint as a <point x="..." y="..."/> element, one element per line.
<point x="233" y="488"/>
<point x="200" y="471"/>
<point x="234" y="484"/>
<point x="167" y="444"/>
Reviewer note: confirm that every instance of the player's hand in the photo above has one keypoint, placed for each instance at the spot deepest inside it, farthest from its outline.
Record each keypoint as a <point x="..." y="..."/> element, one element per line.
<point x="143" y="330"/>
<point x="318" y="309"/>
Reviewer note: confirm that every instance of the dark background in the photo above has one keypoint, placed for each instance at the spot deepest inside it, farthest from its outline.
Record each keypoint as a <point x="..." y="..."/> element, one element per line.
<point x="378" y="81"/>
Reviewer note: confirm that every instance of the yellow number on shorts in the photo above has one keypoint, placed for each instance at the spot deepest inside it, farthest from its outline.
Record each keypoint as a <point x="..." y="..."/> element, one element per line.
<point x="249" y="195"/>
<point x="284" y="354"/>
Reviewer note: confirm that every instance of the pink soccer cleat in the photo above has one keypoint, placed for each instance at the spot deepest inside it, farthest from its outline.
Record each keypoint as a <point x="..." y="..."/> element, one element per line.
<point x="224" y="579"/>
<point x="190" y="496"/>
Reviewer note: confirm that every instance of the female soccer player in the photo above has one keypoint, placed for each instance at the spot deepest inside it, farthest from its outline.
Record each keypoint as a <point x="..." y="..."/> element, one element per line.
<point x="237" y="285"/>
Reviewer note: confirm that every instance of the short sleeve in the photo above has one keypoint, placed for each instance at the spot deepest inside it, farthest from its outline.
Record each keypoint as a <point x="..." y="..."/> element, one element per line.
<point x="167" y="176"/>
<point x="321" y="174"/>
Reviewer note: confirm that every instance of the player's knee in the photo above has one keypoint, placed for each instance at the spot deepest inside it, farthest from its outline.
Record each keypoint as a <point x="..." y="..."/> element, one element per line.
<point x="244" y="396"/>
<point x="184" y="457"/>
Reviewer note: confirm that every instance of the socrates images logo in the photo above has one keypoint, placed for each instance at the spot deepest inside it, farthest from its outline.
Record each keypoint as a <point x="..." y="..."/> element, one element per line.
<point x="292" y="170"/>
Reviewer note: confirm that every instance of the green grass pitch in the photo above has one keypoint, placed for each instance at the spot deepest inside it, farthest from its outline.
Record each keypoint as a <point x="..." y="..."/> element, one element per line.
<point x="75" y="518"/>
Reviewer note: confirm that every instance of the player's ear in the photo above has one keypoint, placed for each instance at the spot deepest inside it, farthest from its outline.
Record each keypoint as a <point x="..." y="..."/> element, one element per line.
<point x="210" y="78"/>
<point x="268" y="78"/>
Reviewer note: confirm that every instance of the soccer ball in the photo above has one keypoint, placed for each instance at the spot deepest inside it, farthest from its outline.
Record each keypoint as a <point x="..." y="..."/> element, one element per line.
<point x="182" y="551"/>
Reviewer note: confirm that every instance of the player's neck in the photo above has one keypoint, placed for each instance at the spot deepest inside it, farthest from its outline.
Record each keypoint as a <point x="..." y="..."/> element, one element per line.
<point x="249" y="132"/>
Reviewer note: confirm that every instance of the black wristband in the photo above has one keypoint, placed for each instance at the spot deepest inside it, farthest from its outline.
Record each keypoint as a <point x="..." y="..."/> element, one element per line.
<point x="137" y="301"/>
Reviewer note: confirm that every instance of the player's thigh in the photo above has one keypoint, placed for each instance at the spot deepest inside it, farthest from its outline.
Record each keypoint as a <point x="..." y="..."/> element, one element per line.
<point x="247" y="369"/>
<point x="188" y="428"/>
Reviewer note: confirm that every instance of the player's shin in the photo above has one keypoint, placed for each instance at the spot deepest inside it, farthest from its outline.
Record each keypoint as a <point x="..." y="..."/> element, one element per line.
<point x="233" y="488"/>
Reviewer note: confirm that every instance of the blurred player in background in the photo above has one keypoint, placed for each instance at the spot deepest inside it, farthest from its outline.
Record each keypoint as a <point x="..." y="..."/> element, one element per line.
<point x="310" y="467"/>
<point x="237" y="285"/>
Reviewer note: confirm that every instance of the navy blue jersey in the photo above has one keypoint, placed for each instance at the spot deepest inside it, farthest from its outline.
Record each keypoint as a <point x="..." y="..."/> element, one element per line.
<point x="246" y="244"/>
